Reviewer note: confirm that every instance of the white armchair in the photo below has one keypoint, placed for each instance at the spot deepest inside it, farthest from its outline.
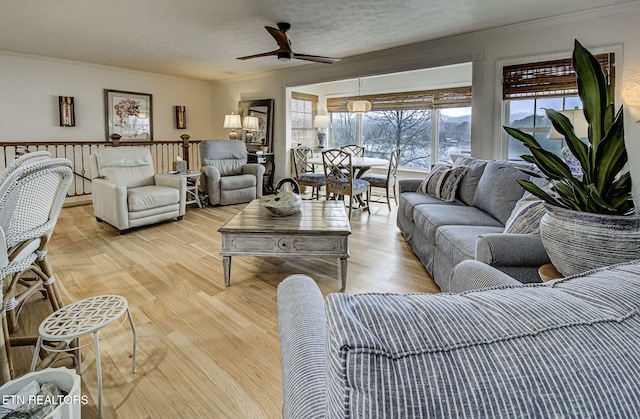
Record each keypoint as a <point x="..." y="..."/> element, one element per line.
<point x="127" y="193"/>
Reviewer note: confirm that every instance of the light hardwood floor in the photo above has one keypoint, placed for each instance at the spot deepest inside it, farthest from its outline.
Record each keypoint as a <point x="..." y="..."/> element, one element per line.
<point x="203" y="350"/>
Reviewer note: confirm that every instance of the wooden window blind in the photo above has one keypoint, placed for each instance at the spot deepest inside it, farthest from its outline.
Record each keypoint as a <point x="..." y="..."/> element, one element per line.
<point x="423" y="99"/>
<point x="303" y="110"/>
<point x="548" y="78"/>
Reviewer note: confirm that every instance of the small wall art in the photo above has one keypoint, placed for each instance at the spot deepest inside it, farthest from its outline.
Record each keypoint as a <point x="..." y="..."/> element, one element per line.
<point x="181" y="117"/>
<point x="67" y="112"/>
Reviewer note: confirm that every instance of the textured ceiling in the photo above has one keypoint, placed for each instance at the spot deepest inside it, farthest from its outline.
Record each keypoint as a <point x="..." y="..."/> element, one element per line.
<point x="201" y="39"/>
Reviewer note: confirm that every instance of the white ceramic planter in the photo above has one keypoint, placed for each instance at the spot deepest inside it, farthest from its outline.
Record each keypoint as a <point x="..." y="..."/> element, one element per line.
<point x="578" y="241"/>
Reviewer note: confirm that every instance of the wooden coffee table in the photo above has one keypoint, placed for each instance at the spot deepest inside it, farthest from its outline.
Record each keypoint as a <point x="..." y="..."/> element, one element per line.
<point x="321" y="229"/>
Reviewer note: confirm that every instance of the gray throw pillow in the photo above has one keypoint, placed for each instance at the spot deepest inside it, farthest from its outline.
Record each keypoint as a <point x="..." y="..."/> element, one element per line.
<point x="442" y="182"/>
<point x="498" y="191"/>
<point x="469" y="183"/>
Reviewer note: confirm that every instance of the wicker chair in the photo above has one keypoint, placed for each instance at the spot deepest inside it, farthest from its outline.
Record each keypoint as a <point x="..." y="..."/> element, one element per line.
<point x="339" y="180"/>
<point x="31" y="198"/>
<point x="305" y="172"/>
<point x="19" y="161"/>
<point x="387" y="181"/>
<point x="353" y="149"/>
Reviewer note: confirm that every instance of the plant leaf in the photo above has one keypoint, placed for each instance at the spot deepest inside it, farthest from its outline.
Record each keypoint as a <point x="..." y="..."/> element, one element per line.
<point x="562" y="124"/>
<point x="592" y="89"/>
<point x="537" y="191"/>
<point x="611" y="155"/>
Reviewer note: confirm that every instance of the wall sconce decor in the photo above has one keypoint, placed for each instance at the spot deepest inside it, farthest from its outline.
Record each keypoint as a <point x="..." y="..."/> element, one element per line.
<point x="181" y="117"/>
<point x="66" y="110"/>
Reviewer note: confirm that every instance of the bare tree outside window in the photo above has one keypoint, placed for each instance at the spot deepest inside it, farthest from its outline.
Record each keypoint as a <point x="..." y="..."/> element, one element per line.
<point x="408" y="130"/>
<point x="343" y="129"/>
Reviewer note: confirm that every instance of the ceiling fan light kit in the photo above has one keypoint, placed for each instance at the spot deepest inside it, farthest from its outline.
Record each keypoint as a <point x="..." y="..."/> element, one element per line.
<point x="284" y="52"/>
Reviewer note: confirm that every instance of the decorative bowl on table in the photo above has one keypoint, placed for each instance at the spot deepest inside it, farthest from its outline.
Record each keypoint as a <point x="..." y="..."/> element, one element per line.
<point x="285" y="202"/>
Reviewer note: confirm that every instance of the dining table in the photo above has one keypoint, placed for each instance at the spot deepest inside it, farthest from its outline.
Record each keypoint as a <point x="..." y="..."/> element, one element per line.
<point x="360" y="164"/>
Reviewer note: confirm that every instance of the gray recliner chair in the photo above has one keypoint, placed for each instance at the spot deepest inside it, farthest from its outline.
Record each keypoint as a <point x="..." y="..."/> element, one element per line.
<point x="226" y="175"/>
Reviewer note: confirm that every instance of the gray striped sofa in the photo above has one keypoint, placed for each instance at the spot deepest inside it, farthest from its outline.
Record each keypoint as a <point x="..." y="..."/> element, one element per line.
<point x="569" y="348"/>
<point x="443" y="234"/>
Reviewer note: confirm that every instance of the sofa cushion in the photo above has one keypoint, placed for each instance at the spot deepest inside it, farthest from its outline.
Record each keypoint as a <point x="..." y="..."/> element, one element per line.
<point x="458" y="243"/>
<point x="148" y="197"/>
<point x="498" y="191"/>
<point x="563" y="349"/>
<point x="237" y="182"/>
<point x="469" y="183"/>
<point x="409" y="200"/>
<point x="429" y="217"/>
<point x="442" y="182"/>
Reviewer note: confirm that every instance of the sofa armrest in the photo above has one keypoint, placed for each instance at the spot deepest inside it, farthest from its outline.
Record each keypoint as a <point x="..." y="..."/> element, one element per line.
<point x="257" y="170"/>
<point x="499" y="249"/>
<point x="472" y="275"/>
<point x="409" y="185"/>
<point x="110" y="203"/>
<point x="302" y="320"/>
<point x="174" y="181"/>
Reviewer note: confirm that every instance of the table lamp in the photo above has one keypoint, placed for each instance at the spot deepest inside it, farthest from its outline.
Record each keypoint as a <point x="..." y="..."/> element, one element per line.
<point x="232" y="121"/>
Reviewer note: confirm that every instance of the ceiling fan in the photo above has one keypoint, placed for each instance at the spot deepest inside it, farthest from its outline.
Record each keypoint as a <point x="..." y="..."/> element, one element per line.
<point x="285" y="53"/>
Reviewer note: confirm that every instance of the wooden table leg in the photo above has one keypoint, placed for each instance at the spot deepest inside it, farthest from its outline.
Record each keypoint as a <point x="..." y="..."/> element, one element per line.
<point x="343" y="272"/>
<point x="226" y="266"/>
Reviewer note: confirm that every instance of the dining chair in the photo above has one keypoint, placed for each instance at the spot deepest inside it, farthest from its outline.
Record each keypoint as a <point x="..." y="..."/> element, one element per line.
<point x="339" y="179"/>
<point x="386" y="181"/>
<point x="353" y="149"/>
<point x="305" y="171"/>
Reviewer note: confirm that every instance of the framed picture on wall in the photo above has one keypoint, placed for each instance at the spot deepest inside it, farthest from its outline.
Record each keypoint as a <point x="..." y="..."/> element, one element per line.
<point x="128" y="114"/>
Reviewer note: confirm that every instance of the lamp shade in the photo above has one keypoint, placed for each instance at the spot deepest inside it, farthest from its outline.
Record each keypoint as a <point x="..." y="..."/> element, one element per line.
<point x="232" y="121"/>
<point x="631" y="92"/>
<point x="250" y="123"/>
<point x="579" y="122"/>
<point x="321" y="121"/>
<point x="359" y="106"/>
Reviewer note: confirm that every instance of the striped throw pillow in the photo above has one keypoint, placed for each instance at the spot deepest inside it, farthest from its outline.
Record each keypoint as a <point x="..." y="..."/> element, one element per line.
<point x="442" y="182"/>
<point x="525" y="217"/>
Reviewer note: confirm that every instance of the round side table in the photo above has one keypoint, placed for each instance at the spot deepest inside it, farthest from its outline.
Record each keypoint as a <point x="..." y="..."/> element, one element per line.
<point x="79" y="319"/>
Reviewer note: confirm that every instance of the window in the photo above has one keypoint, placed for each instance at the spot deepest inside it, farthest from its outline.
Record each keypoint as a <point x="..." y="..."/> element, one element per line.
<point x="404" y="120"/>
<point x="530" y="88"/>
<point x="303" y="110"/>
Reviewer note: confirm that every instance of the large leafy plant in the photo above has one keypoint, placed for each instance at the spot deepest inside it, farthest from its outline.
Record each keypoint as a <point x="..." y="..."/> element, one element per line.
<point x="605" y="187"/>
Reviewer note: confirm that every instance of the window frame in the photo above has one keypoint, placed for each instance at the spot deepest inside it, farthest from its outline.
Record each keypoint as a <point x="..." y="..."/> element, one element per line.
<point x="433" y="100"/>
<point x="313" y="99"/>
<point x="501" y="105"/>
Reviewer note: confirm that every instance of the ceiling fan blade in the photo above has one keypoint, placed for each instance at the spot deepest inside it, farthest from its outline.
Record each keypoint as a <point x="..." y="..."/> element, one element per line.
<point x="266" y="54"/>
<point x="280" y="37"/>
<point x="315" y="58"/>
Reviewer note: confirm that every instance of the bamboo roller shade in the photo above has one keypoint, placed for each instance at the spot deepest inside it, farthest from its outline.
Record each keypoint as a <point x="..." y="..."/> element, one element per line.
<point x="423" y="99"/>
<point x="548" y="78"/>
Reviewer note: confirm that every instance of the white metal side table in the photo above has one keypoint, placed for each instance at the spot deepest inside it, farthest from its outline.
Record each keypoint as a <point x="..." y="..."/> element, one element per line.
<point x="193" y="178"/>
<point x="79" y="319"/>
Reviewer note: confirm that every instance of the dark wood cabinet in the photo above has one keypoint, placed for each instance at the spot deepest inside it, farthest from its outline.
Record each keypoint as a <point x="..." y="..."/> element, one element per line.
<point x="268" y="161"/>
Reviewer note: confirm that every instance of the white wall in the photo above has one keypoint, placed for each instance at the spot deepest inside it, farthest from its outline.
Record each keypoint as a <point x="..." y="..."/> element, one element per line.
<point x="610" y="26"/>
<point x="30" y="86"/>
